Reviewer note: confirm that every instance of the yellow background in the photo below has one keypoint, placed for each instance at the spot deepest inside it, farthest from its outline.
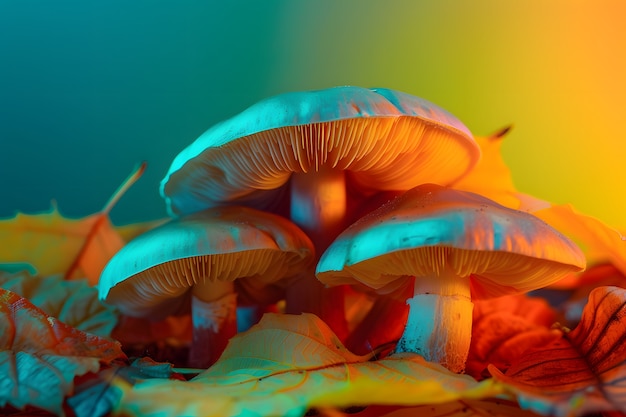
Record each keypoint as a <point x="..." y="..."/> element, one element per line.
<point x="556" y="70"/>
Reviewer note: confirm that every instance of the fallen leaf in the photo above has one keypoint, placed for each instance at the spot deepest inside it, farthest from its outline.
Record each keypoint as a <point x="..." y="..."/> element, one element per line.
<point x="600" y="242"/>
<point x="40" y="356"/>
<point x="75" y="303"/>
<point x="569" y="298"/>
<point x="54" y="244"/>
<point x="504" y="328"/>
<point x="491" y="177"/>
<point x="534" y="310"/>
<point x="459" y="408"/>
<point x="96" y="396"/>
<point x="287" y="364"/>
<point x="581" y="372"/>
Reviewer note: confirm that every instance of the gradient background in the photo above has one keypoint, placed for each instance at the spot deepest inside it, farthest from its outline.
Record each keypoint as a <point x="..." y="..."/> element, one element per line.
<point x="88" y="91"/>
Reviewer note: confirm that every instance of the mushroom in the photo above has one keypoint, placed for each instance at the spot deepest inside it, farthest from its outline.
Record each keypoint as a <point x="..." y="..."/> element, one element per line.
<point x="459" y="246"/>
<point x="313" y="155"/>
<point x="200" y="256"/>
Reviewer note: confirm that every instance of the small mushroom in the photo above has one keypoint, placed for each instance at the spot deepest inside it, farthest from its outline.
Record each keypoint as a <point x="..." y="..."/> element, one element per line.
<point x="459" y="246"/>
<point x="313" y="156"/>
<point x="202" y="255"/>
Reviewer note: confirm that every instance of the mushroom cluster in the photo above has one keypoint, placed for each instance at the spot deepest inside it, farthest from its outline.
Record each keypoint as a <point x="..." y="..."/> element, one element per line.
<point x="278" y="195"/>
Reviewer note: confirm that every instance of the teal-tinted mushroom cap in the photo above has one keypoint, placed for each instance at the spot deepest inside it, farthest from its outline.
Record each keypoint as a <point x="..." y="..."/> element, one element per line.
<point x="150" y="276"/>
<point x="500" y="250"/>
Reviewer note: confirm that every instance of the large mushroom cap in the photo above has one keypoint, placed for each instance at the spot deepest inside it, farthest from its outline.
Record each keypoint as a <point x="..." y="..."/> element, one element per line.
<point x="386" y="139"/>
<point x="430" y="228"/>
<point x="150" y="276"/>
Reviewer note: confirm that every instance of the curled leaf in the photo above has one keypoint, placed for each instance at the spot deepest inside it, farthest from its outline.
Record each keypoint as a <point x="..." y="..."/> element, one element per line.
<point x="581" y="372"/>
<point x="599" y="275"/>
<point x="40" y="356"/>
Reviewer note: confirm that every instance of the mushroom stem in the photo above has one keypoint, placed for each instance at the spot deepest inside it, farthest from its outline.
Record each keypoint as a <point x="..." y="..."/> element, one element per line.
<point x="318" y="204"/>
<point x="318" y="207"/>
<point x="214" y="320"/>
<point x="439" y="325"/>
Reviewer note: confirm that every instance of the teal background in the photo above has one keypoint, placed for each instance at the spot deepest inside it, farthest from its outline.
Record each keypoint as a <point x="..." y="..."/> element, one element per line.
<point x="90" y="89"/>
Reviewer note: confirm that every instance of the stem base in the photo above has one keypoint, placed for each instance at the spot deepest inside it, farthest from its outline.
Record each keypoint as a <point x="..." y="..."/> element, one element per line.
<point x="439" y="328"/>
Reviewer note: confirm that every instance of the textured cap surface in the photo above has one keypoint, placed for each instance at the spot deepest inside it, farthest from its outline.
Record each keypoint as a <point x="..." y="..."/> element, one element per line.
<point x="152" y="273"/>
<point x="431" y="227"/>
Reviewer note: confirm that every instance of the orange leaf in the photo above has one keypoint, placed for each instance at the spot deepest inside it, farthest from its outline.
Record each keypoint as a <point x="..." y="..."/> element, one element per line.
<point x="600" y="242"/>
<point x="584" y="371"/>
<point x="534" y="310"/>
<point x="504" y="328"/>
<point x="40" y="356"/>
<point x="53" y="244"/>
<point x="491" y="177"/>
<point x="572" y="301"/>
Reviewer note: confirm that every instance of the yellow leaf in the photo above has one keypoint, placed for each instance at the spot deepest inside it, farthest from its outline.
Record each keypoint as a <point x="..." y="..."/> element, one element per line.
<point x="54" y="244"/>
<point x="288" y="364"/>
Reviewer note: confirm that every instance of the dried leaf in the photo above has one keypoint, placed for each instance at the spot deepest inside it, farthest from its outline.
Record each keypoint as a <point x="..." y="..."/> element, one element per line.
<point x="287" y="364"/>
<point x="504" y="328"/>
<point x="40" y="356"/>
<point x="534" y="310"/>
<point x="459" y="408"/>
<point x="600" y="242"/>
<point x="570" y="297"/>
<point x="96" y="396"/>
<point x="75" y="303"/>
<point x="584" y="371"/>
<point x="491" y="177"/>
<point x="53" y="244"/>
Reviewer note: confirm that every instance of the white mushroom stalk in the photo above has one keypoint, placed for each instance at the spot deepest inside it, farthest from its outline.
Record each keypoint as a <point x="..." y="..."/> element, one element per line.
<point x="439" y="325"/>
